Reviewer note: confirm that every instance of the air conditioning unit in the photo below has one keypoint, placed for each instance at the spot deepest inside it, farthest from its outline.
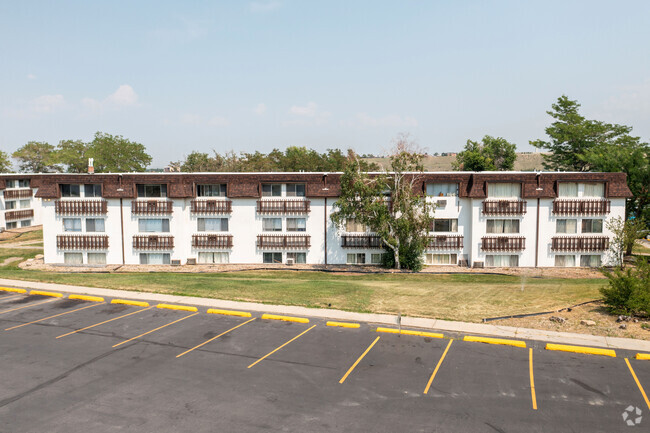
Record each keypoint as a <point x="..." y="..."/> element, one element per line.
<point x="442" y="203"/>
<point x="478" y="265"/>
<point x="290" y="262"/>
<point x="191" y="261"/>
<point x="176" y="262"/>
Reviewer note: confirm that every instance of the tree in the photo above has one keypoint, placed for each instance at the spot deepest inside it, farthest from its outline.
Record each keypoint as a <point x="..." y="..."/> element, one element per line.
<point x="72" y="154"/>
<point x="5" y="163"/>
<point x="197" y="161"/>
<point x="388" y="205"/>
<point x="491" y="154"/>
<point x="625" y="233"/>
<point x="115" y="154"/>
<point x="36" y="157"/>
<point x="629" y="290"/>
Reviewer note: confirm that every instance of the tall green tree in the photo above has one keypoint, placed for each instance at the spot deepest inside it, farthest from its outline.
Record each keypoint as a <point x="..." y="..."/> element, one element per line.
<point x="72" y="154"/>
<point x="115" y="154"/>
<point x="36" y="157"/>
<point x="490" y="154"/>
<point x="197" y="162"/>
<point x="5" y="163"/>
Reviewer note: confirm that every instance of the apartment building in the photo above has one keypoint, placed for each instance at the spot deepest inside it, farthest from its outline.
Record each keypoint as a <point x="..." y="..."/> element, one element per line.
<point x="494" y="219"/>
<point x="18" y="207"/>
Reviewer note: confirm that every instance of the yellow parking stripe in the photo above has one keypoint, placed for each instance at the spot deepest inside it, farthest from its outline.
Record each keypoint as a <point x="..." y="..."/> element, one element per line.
<point x="581" y="349"/>
<point x="214" y="338"/>
<point x="11" y="289"/>
<point x="532" y="379"/>
<point x="502" y="341"/>
<point x="56" y="315"/>
<point x="43" y="293"/>
<point x="435" y="371"/>
<point x="105" y="321"/>
<point x="272" y="352"/>
<point x="27" y="306"/>
<point x="153" y="330"/>
<point x="345" y="376"/>
<point x="645" y="397"/>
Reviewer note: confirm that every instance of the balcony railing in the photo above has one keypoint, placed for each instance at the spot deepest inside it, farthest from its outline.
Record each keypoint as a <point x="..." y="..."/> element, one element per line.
<point x="283" y="241"/>
<point x="153" y="242"/>
<point x="14" y="215"/>
<point x="82" y="242"/>
<point x="581" y="207"/>
<point x="283" y="206"/>
<point x="151" y="207"/>
<point x="12" y="194"/>
<point x="212" y="241"/>
<point x="580" y="243"/>
<point x="211" y="206"/>
<point x="503" y="243"/>
<point x="81" y="207"/>
<point x="361" y="241"/>
<point x="443" y="242"/>
<point x="504" y="207"/>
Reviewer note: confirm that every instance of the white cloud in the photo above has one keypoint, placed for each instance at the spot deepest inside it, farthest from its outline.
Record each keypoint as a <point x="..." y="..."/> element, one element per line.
<point x="390" y="120"/>
<point x="191" y="119"/>
<point x="124" y="95"/>
<point x="47" y="103"/>
<point x="631" y="99"/>
<point x="308" y="110"/>
<point x="307" y="115"/>
<point x="218" y="121"/>
<point x="31" y="76"/>
<point x="260" y="109"/>
<point x="264" y="6"/>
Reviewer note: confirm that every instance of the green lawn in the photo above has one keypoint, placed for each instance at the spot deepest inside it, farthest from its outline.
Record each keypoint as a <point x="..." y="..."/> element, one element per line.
<point x="22" y="237"/>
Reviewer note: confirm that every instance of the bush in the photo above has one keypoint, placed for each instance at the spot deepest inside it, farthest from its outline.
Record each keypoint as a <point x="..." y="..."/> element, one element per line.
<point x="410" y="257"/>
<point x="629" y="290"/>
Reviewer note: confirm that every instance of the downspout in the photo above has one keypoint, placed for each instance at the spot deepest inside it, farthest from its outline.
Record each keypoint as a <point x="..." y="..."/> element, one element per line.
<point x="122" y="220"/>
<point x="537" y="224"/>
<point x="325" y="229"/>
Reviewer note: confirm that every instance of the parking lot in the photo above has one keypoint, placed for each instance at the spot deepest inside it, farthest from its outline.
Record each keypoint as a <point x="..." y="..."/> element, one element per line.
<point x="77" y="366"/>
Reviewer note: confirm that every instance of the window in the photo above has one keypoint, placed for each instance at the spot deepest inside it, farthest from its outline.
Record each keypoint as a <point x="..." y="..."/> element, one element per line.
<point x="10" y="183"/>
<point x="12" y="225"/>
<point x="356" y="259"/>
<point x="10" y="205"/>
<point x="567" y="189"/>
<point x="590" y="261"/>
<point x="70" y="190"/>
<point x="573" y="189"/>
<point x="592" y="226"/>
<point x="501" y="261"/>
<point x="95" y="225"/>
<point x="73" y="258"/>
<point x="271" y="190"/>
<point x="594" y="190"/>
<point x="71" y="224"/>
<point x="92" y="190"/>
<point x="211" y="190"/>
<point x="351" y="226"/>
<point x="23" y="183"/>
<point x="96" y="258"/>
<point x="212" y="224"/>
<point x="296" y="224"/>
<point x="152" y="190"/>
<point x="272" y="257"/>
<point x="566" y="226"/>
<point x="442" y="189"/>
<point x="441" y="259"/>
<point x="153" y="225"/>
<point x="504" y="190"/>
<point x="295" y="190"/>
<point x="376" y="258"/>
<point x="216" y="257"/>
<point x="272" y="224"/>
<point x="445" y="225"/>
<point x="154" y="258"/>
<point x="565" y="261"/>
<point x="298" y="258"/>
<point x="502" y="226"/>
<point x="26" y="223"/>
<point x="25" y="204"/>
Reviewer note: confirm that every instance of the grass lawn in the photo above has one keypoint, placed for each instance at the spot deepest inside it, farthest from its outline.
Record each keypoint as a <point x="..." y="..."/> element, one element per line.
<point x="640" y="249"/>
<point x="11" y="238"/>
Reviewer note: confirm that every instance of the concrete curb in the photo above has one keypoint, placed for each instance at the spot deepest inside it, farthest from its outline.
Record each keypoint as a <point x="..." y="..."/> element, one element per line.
<point x="386" y="319"/>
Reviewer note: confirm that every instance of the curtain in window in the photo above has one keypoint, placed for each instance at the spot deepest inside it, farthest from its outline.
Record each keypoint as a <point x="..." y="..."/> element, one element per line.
<point x="504" y="190"/>
<point x="153" y="225"/>
<point x="216" y="257"/>
<point x="296" y="224"/>
<point x="502" y="261"/>
<point x="565" y="261"/>
<point x="566" y="226"/>
<point x="24" y="204"/>
<point x="96" y="258"/>
<point x="441" y="259"/>
<point x="590" y="261"/>
<point x="567" y="189"/>
<point x="351" y="226"/>
<point x="73" y="258"/>
<point x="95" y="225"/>
<point x="212" y="224"/>
<point x="298" y="258"/>
<point x="71" y="224"/>
<point x="272" y="224"/>
<point x="154" y="259"/>
<point x="592" y="226"/>
<point x="594" y="190"/>
<point x="442" y="189"/>
<point x="502" y="226"/>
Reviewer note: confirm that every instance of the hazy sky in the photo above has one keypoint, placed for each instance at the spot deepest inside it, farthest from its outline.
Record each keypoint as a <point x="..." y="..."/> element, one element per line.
<point x="182" y="76"/>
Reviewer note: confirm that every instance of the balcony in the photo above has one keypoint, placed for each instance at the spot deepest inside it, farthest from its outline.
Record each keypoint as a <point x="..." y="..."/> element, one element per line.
<point x="82" y="242"/>
<point x="503" y="243"/>
<point x="151" y="207"/>
<point x="443" y="242"/>
<point x="282" y="206"/>
<point x="580" y="243"/>
<point x="504" y="207"/>
<point x="211" y="241"/>
<point x="12" y="194"/>
<point x="211" y="207"/>
<point x="153" y="242"/>
<point x="81" y="207"/>
<point x="283" y="241"/>
<point x="13" y="215"/>
<point x="581" y="207"/>
<point x="361" y="241"/>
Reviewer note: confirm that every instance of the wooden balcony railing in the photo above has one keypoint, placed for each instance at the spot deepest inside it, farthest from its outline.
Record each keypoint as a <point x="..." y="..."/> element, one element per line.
<point x="580" y="243"/>
<point x="444" y="242"/>
<point x="283" y="241"/>
<point x="80" y="207"/>
<point x="82" y="242"/>
<point x="12" y="194"/>
<point x="581" y="207"/>
<point x="212" y="241"/>
<point x="283" y="206"/>
<point x="504" y="207"/>
<point x="503" y="243"/>
<point x="211" y="206"/>
<point x="151" y="207"/>
<point x="361" y="241"/>
<point x="153" y="242"/>
<point x="13" y="215"/>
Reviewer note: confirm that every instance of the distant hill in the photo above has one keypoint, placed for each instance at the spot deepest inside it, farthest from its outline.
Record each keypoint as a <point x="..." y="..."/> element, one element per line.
<point x="524" y="162"/>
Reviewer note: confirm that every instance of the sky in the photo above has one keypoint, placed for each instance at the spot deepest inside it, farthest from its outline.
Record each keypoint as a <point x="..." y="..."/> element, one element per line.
<point x="257" y="75"/>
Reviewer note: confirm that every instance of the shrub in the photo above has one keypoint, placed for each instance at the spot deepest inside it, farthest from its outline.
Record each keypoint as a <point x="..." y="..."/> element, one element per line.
<point x="410" y="257"/>
<point x="629" y="290"/>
